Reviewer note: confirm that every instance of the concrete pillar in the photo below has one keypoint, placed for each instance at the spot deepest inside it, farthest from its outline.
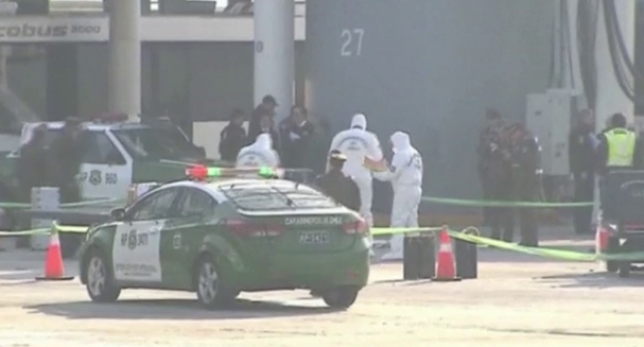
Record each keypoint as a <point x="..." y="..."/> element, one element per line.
<point x="275" y="53"/>
<point x="125" y="58"/>
<point x="610" y="98"/>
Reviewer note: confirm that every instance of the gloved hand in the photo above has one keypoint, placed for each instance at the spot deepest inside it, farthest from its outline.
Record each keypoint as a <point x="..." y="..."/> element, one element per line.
<point x="293" y="136"/>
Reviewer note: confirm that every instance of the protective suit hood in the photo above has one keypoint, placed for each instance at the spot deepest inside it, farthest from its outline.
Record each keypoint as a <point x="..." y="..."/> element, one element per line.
<point x="400" y="141"/>
<point x="264" y="141"/>
<point x="359" y="121"/>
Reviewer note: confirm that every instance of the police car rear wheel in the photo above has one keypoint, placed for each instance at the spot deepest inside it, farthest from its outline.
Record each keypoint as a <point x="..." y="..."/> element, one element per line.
<point x="100" y="282"/>
<point x="211" y="288"/>
<point x="341" y="298"/>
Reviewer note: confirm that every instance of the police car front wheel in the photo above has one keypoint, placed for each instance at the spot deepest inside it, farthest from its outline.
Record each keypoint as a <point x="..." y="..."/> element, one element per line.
<point x="100" y="282"/>
<point x="211" y="288"/>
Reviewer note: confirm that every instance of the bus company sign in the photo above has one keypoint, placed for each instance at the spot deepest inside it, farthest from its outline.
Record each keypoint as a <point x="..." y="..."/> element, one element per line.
<point x="53" y="29"/>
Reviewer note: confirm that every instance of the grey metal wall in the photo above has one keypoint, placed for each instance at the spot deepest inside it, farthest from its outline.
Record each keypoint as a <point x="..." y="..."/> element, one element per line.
<point x="428" y="67"/>
<point x="201" y="81"/>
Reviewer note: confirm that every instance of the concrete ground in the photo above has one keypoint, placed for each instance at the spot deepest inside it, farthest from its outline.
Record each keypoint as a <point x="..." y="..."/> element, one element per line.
<point x="517" y="301"/>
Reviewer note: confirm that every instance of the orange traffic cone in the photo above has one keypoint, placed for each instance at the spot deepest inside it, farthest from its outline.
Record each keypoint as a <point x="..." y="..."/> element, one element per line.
<point x="446" y="265"/>
<point x="601" y="239"/>
<point x="54" y="268"/>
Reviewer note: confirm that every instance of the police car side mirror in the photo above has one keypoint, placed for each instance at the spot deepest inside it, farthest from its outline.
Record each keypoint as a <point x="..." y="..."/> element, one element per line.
<point x="118" y="214"/>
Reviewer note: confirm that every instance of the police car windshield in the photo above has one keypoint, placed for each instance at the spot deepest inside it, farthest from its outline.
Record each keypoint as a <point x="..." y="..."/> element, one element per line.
<point x="155" y="144"/>
<point x="269" y="197"/>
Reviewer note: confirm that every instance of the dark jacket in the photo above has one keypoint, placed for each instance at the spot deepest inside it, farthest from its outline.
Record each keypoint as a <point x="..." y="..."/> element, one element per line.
<point x="66" y="155"/>
<point x="318" y="152"/>
<point x="581" y="151"/>
<point x="232" y="140"/>
<point x="340" y="188"/>
<point x="254" y="127"/>
<point x="488" y="151"/>
<point x="33" y="168"/>
<point x="525" y="162"/>
<point x="295" y="151"/>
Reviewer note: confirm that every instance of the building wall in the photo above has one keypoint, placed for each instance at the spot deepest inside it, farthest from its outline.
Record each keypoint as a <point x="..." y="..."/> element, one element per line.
<point x="429" y="68"/>
<point x="199" y="81"/>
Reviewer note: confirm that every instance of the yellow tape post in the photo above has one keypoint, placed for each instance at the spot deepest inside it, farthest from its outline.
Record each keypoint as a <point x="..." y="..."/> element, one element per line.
<point x="46" y="231"/>
<point x="469" y="234"/>
<point x="472" y="235"/>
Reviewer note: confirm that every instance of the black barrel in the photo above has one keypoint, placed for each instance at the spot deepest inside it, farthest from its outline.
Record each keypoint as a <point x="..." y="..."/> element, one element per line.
<point x="419" y="257"/>
<point x="427" y="256"/>
<point x="411" y="258"/>
<point x="466" y="259"/>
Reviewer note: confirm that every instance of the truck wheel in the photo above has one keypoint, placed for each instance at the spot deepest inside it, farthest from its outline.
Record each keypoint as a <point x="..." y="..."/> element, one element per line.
<point x="613" y="247"/>
<point x="100" y="285"/>
<point x="212" y="291"/>
<point x="341" y="298"/>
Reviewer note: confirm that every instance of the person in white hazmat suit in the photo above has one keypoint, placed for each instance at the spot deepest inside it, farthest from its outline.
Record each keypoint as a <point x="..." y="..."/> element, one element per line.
<point x="356" y="143"/>
<point x="406" y="176"/>
<point x="258" y="154"/>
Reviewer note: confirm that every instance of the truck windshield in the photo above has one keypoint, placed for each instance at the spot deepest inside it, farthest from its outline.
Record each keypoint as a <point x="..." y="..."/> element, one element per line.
<point x="156" y="144"/>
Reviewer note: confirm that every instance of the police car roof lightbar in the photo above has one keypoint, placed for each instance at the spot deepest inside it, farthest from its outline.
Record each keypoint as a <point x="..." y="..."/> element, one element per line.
<point x="202" y="173"/>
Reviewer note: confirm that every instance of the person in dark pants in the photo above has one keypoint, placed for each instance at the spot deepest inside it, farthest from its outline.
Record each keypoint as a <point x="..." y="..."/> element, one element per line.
<point x="33" y="166"/>
<point x="617" y="150"/>
<point x="296" y="135"/>
<point x="233" y="137"/>
<point x="526" y="172"/>
<point x="336" y="185"/>
<point x="581" y="155"/>
<point x="485" y="152"/>
<point x="66" y="153"/>
<point x="494" y="172"/>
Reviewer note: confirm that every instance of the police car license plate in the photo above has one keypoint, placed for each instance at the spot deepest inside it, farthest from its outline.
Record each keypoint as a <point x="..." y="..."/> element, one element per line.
<point x="313" y="237"/>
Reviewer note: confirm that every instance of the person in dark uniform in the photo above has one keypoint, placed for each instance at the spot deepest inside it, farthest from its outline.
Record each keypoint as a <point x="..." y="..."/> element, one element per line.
<point x="495" y="174"/>
<point x="336" y="185"/>
<point x="67" y="155"/>
<point x="485" y="152"/>
<point x="526" y="175"/>
<point x="581" y="156"/>
<point x="617" y="150"/>
<point x="233" y="137"/>
<point x="33" y="163"/>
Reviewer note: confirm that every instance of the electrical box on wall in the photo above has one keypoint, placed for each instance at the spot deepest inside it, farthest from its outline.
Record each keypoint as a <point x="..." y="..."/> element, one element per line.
<point x="549" y="116"/>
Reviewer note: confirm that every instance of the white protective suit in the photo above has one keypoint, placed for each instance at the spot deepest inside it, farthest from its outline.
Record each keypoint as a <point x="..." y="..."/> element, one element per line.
<point x="260" y="153"/>
<point x="406" y="177"/>
<point x="356" y="143"/>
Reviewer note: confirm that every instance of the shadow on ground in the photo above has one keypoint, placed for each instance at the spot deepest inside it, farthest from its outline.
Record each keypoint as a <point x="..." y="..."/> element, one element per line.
<point x="598" y="280"/>
<point x="174" y="309"/>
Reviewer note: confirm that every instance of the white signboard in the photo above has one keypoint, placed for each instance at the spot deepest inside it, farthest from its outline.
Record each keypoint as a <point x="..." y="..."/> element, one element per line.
<point x="33" y="29"/>
<point x="48" y="29"/>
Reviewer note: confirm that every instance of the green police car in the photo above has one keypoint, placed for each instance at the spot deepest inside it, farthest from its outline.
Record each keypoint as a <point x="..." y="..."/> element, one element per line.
<point x="230" y="235"/>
